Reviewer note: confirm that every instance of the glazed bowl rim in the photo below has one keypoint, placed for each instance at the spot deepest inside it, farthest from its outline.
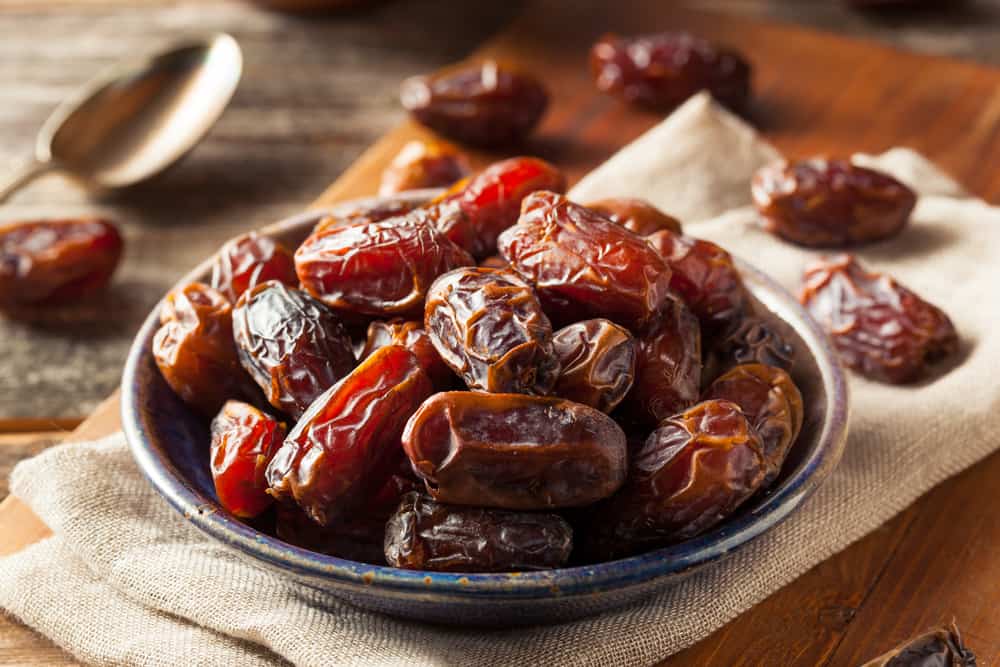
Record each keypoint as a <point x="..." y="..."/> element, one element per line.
<point x="734" y="533"/>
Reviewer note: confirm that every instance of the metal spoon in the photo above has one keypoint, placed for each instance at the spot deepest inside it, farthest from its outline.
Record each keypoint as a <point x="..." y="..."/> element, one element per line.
<point x="137" y="118"/>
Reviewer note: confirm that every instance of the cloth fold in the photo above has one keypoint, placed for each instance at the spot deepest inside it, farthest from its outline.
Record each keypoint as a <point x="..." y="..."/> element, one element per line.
<point x="125" y="580"/>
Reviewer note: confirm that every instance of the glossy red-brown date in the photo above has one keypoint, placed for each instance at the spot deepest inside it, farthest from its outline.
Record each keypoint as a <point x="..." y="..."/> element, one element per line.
<point x="831" y="203"/>
<point x="663" y="70"/>
<point x="250" y="260"/>
<point x="514" y="451"/>
<point x="880" y="328"/>
<point x="691" y="473"/>
<point x="194" y="348"/>
<point x="488" y="326"/>
<point x="751" y="340"/>
<point x="636" y="215"/>
<point x="346" y="445"/>
<point x="382" y="268"/>
<point x="584" y="266"/>
<point x="597" y="360"/>
<point x="292" y="345"/>
<point x="771" y="402"/>
<point x="414" y="338"/>
<point x="54" y="261"/>
<point x="243" y="441"/>
<point x="475" y="212"/>
<point x="427" y="535"/>
<point x="668" y="367"/>
<point x="705" y="277"/>
<point x="483" y="104"/>
<point x="423" y="164"/>
<point x="371" y="210"/>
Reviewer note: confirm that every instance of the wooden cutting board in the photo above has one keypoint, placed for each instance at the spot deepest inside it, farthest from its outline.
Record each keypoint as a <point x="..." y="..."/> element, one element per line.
<point x="815" y="93"/>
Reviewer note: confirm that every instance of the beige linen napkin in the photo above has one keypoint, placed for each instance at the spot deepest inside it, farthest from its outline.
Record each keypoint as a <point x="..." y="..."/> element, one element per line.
<point x="124" y="580"/>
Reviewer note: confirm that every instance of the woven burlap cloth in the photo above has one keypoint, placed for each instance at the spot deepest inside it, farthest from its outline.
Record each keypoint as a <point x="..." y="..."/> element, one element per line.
<point x="125" y="580"/>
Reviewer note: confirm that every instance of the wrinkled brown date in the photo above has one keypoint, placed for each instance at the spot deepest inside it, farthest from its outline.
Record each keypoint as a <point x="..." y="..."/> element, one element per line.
<point x="194" y="348"/>
<point x="771" y="402"/>
<point x="752" y="340"/>
<point x="372" y="210"/>
<point x="346" y="445"/>
<point x="482" y="104"/>
<point x="423" y="164"/>
<point x="381" y="268"/>
<point x="582" y="265"/>
<point x="668" y="367"/>
<point x="54" y="261"/>
<point x="514" y="451"/>
<point x="427" y="535"/>
<point x="636" y="215"/>
<point x="474" y="213"/>
<point x="414" y="338"/>
<point x="598" y="360"/>
<point x="938" y="647"/>
<point x="250" y="260"/>
<point x="831" y="203"/>
<point x="691" y="473"/>
<point x="243" y="441"/>
<point x="292" y="345"/>
<point x="705" y="277"/>
<point x="488" y="326"/>
<point x="663" y="70"/>
<point x="880" y="329"/>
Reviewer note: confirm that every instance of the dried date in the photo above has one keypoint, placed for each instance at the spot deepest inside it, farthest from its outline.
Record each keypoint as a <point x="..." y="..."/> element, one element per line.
<point x="345" y="447"/>
<point x="582" y="265"/>
<point x="831" y="203"/>
<point x="691" y="473"/>
<point x="771" y="402"/>
<point x="636" y="215"/>
<point x="663" y="70"/>
<point x="427" y="535"/>
<point x="423" y="164"/>
<point x="483" y="104"/>
<point x="514" y="451"/>
<point x="751" y="340"/>
<point x="488" y="326"/>
<point x="243" y="441"/>
<point x="53" y="261"/>
<point x="293" y="346"/>
<point x="382" y="268"/>
<point x="248" y="261"/>
<point x="598" y="360"/>
<point x="370" y="210"/>
<point x="414" y="338"/>
<point x="880" y="328"/>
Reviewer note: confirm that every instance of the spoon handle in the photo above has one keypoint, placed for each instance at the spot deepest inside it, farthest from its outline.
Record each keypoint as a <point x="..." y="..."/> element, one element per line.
<point x="22" y="175"/>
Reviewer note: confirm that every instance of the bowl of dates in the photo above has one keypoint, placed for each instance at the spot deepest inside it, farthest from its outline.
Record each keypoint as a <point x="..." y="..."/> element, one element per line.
<point x="486" y="405"/>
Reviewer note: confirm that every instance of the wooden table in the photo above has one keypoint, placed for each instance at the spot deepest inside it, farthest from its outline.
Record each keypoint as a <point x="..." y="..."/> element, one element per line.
<point x="305" y="111"/>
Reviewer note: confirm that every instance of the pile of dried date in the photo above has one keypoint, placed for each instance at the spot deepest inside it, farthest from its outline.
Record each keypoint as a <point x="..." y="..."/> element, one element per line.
<point x="447" y="386"/>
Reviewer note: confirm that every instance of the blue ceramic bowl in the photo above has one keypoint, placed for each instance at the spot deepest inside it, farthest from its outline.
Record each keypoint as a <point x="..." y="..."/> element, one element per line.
<point x="170" y="444"/>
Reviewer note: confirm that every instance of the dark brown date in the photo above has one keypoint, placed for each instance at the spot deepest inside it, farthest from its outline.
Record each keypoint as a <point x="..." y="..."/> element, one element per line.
<point x="423" y="164"/>
<point x="636" y="215"/>
<point x="483" y="104"/>
<point x="880" y="328"/>
<point x="414" y="338"/>
<point x="514" y="451"/>
<point x="831" y="203"/>
<point x="345" y="447"/>
<point x="194" y="348"/>
<point x="751" y="340"/>
<point x="938" y="647"/>
<point x="381" y="268"/>
<point x="705" y="277"/>
<point x="663" y="70"/>
<point x="372" y="210"/>
<point x="691" y="473"/>
<point x="598" y="360"/>
<point x="772" y="403"/>
<point x="668" y="367"/>
<point x="250" y="260"/>
<point x="243" y="441"/>
<point x="488" y="326"/>
<point x="54" y="261"/>
<point x="292" y="345"/>
<point x="583" y="266"/>
<point x="427" y="535"/>
<point x="474" y="213"/>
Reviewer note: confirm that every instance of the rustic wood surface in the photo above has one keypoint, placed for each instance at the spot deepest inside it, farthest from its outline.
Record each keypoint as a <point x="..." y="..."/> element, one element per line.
<point x="940" y="558"/>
